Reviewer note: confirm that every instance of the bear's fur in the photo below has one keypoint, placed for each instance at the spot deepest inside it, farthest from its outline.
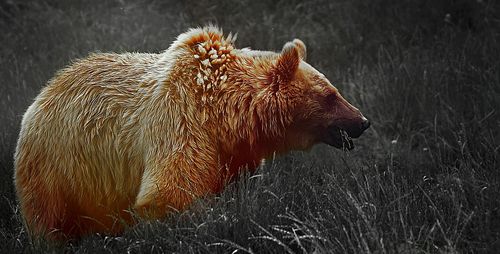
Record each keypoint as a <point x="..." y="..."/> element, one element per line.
<point x="116" y="134"/>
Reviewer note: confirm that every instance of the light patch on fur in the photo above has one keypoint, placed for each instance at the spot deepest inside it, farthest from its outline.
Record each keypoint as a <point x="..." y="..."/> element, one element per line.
<point x="147" y="186"/>
<point x="212" y="54"/>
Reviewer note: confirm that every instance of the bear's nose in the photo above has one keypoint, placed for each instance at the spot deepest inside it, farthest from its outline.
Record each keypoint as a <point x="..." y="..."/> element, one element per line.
<point x="365" y="124"/>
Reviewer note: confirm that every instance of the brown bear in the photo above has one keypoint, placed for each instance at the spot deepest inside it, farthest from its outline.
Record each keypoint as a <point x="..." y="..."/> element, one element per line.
<point x="114" y="135"/>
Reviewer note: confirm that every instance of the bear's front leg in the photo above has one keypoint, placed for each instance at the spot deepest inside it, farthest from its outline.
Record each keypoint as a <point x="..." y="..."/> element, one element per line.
<point x="173" y="185"/>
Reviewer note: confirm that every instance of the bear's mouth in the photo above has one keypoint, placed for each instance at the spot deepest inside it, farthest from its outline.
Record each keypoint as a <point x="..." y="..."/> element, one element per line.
<point x="339" y="138"/>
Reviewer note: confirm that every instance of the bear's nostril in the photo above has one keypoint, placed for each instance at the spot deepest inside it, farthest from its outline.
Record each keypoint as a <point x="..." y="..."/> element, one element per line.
<point x="365" y="124"/>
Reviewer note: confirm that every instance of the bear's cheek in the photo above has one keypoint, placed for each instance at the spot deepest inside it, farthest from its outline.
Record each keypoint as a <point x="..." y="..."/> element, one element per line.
<point x="325" y="115"/>
<point x="313" y="116"/>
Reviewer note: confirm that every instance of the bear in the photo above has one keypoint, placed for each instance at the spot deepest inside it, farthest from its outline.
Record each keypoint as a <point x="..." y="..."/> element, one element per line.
<point x="116" y="137"/>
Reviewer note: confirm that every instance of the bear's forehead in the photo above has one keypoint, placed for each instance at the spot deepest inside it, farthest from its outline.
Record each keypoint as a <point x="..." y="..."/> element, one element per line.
<point x="311" y="72"/>
<point x="317" y="80"/>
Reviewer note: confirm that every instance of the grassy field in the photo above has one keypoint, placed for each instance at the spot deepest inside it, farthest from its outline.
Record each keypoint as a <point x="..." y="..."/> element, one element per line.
<point x="425" y="178"/>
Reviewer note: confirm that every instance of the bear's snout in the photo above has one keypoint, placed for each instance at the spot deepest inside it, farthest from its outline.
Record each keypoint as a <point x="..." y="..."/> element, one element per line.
<point x="365" y="124"/>
<point x="355" y="130"/>
<point x="340" y="134"/>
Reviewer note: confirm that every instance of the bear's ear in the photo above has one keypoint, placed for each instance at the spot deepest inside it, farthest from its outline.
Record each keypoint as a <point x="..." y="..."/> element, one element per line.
<point x="301" y="47"/>
<point x="287" y="63"/>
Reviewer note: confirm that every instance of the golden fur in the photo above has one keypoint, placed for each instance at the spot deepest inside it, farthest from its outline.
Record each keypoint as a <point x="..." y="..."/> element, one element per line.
<point x="114" y="134"/>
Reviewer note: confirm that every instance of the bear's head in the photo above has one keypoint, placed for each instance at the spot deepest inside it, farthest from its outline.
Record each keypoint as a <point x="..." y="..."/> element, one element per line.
<point x="317" y="110"/>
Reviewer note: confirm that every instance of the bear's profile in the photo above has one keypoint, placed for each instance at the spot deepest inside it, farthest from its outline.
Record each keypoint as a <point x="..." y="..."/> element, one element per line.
<point x="119" y="134"/>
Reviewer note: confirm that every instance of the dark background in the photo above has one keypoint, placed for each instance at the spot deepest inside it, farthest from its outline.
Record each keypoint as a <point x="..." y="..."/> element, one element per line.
<point x="424" y="178"/>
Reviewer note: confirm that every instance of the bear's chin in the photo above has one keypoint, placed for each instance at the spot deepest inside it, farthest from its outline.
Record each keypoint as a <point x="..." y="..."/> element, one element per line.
<point x="338" y="138"/>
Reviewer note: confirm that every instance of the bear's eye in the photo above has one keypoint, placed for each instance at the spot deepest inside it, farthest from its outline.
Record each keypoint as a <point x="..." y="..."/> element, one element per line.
<point x="331" y="98"/>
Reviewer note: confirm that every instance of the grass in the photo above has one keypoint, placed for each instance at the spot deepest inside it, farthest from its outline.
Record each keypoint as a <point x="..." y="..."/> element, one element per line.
<point x="424" y="179"/>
